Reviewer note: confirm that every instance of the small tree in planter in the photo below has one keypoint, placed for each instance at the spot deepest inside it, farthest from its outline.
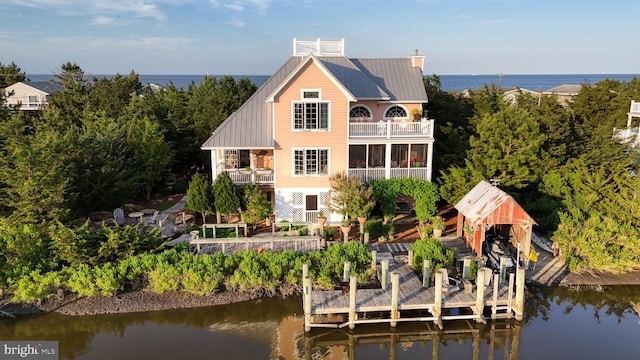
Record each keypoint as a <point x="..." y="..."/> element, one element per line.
<point x="438" y="226"/>
<point x="349" y="197"/>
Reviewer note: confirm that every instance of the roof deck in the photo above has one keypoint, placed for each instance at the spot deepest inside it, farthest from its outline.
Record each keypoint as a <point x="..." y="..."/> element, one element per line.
<point x="318" y="47"/>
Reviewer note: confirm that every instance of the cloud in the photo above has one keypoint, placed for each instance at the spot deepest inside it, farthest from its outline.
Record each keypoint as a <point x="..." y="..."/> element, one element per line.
<point x="102" y="20"/>
<point x="237" y="23"/>
<point x="113" y="45"/>
<point x="102" y="8"/>
<point x="241" y="5"/>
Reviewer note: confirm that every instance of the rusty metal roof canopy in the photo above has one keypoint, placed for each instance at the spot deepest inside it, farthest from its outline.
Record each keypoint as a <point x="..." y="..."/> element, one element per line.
<point x="482" y="201"/>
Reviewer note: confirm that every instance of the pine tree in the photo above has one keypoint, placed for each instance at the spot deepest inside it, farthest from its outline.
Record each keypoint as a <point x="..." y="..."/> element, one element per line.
<point x="200" y="195"/>
<point x="226" y="196"/>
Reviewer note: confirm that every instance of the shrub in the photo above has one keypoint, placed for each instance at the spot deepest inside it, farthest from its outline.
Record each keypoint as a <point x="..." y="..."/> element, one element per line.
<point x="433" y="250"/>
<point x="164" y="277"/>
<point x="373" y="226"/>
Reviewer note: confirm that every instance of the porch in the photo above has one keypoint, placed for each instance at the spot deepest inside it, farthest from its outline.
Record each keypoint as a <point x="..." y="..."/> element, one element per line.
<point x="256" y="176"/>
<point x="390" y="129"/>
<point x="365" y="174"/>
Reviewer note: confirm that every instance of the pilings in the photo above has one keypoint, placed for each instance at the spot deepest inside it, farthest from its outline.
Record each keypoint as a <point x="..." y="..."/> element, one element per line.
<point x="403" y="297"/>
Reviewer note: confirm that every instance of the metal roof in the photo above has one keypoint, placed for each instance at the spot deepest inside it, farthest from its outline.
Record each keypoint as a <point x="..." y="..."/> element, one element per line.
<point x="396" y="77"/>
<point x="251" y="126"/>
<point x="565" y="89"/>
<point x="49" y="87"/>
<point x="360" y="85"/>
<point x="481" y="201"/>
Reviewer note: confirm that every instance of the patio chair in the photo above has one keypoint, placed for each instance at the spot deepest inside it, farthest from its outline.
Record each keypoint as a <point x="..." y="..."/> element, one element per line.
<point x="154" y="218"/>
<point x="118" y="216"/>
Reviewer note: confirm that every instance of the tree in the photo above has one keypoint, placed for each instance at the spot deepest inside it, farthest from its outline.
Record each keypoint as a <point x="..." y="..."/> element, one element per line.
<point x="507" y="147"/>
<point x="200" y="195"/>
<point x="342" y="195"/>
<point x="70" y="75"/>
<point x="10" y="74"/>
<point x="225" y="194"/>
<point x="153" y="155"/>
<point x="258" y="206"/>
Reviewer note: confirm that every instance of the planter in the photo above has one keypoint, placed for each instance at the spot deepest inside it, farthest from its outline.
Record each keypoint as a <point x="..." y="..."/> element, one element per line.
<point x="321" y="221"/>
<point x="345" y="231"/>
<point x="362" y="219"/>
<point x="437" y="233"/>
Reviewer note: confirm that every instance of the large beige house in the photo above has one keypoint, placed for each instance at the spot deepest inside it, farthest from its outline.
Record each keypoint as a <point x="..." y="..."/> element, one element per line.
<point x="320" y="113"/>
<point x="31" y="95"/>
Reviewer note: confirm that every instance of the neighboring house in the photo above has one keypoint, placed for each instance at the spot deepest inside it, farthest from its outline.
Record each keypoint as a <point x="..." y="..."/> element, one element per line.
<point x="564" y="93"/>
<point x="322" y="113"/>
<point x="32" y="95"/>
<point x="630" y="134"/>
<point x="511" y="95"/>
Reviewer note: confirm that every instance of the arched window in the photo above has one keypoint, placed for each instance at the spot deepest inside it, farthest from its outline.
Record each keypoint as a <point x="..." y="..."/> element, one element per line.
<point x="360" y="112"/>
<point x="396" y="112"/>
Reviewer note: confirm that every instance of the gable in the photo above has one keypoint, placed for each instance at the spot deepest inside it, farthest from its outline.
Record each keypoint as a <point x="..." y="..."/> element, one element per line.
<point x="485" y="201"/>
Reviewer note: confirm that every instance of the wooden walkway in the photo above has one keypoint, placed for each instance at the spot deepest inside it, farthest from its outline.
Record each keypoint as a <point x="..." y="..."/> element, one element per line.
<point x="407" y="293"/>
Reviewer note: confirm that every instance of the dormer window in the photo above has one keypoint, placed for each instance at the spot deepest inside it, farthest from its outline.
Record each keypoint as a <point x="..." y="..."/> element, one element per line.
<point x="310" y="112"/>
<point x="396" y="112"/>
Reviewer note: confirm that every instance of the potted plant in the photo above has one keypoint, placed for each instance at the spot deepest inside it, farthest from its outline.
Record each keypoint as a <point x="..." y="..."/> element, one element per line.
<point x="346" y="227"/>
<point x="321" y="221"/>
<point x="416" y="114"/>
<point x="438" y="226"/>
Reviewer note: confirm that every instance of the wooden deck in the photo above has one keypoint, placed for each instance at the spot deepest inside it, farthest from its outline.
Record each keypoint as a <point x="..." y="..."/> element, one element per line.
<point x="407" y="293"/>
<point x="233" y="245"/>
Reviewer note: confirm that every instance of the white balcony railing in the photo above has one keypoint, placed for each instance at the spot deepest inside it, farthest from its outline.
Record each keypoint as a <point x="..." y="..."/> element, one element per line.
<point x="318" y="47"/>
<point x="390" y="129"/>
<point x="635" y="107"/>
<point x="253" y="175"/>
<point x="381" y="173"/>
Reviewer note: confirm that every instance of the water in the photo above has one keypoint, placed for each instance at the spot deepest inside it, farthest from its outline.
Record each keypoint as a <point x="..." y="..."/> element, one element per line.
<point x="449" y="82"/>
<point x="559" y="324"/>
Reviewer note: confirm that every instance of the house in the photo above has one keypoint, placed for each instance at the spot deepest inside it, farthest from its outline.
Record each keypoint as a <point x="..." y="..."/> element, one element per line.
<point x="564" y="93"/>
<point x="486" y="210"/>
<point x="31" y="95"/>
<point x="630" y="134"/>
<point x="320" y="113"/>
<point x="510" y="95"/>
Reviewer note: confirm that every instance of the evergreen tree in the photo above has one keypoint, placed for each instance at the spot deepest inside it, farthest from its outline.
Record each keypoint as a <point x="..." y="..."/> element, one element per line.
<point x="226" y="199"/>
<point x="258" y="207"/>
<point x="10" y="74"/>
<point x="200" y="195"/>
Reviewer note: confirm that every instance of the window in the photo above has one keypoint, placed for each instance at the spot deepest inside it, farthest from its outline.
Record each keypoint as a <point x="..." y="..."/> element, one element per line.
<point x="399" y="155"/>
<point x="237" y="159"/>
<point x="310" y="113"/>
<point x="311" y="116"/>
<point x="33" y="100"/>
<point x="311" y="162"/>
<point x="359" y="113"/>
<point x="396" y="112"/>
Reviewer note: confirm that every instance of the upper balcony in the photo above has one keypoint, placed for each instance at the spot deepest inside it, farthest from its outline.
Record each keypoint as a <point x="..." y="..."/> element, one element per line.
<point x="390" y="129"/>
<point x="318" y="47"/>
<point x="256" y="176"/>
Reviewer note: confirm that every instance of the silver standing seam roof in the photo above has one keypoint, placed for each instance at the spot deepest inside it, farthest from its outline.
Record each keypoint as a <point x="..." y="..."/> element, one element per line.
<point x="49" y="87"/>
<point x="251" y="126"/>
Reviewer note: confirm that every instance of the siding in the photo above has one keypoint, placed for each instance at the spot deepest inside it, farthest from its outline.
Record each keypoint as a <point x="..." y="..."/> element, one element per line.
<point x="311" y="77"/>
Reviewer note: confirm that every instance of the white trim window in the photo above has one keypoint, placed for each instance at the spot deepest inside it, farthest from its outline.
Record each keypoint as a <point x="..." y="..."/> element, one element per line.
<point x="396" y="112"/>
<point x="33" y="100"/>
<point x="310" y="112"/>
<point x="310" y="162"/>
<point x="360" y="113"/>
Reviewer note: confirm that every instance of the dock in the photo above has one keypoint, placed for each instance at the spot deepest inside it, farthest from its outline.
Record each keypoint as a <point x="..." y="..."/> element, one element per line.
<point x="407" y="299"/>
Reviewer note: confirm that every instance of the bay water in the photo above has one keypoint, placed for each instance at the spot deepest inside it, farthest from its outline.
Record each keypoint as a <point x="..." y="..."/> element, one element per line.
<point x="559" y="323"/>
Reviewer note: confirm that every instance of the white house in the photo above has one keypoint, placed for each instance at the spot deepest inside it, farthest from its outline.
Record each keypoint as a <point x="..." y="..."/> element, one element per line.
<point x="31" y="95"/>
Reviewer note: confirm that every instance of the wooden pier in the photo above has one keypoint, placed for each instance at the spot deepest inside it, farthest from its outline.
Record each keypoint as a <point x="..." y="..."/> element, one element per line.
<point x="408" y="294"/>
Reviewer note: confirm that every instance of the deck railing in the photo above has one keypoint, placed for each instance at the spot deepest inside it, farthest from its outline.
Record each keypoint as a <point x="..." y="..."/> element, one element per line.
<point x="318" y="47"/>
<point x="253" y="175"/>
<point x="381" y="173"/>
<point x="389" y="129"/>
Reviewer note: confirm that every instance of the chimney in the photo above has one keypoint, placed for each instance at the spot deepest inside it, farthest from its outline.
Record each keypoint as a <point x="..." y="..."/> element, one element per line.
<point x="417" y="60"/>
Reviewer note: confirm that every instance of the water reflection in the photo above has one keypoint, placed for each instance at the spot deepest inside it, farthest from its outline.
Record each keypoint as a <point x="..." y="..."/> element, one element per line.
<point x="274" y="328"/>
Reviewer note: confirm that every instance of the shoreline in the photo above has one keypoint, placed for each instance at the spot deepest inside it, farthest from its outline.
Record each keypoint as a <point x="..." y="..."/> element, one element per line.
<point x="144" y="300"/>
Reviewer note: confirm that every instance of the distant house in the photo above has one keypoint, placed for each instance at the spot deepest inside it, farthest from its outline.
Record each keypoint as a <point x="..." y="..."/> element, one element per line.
<point x="510" y="95"/>
<point x="320" y="113"/>
<point x="32" y="95"/>
<point x="630" y="134"/>
<point x="564" y="93"/>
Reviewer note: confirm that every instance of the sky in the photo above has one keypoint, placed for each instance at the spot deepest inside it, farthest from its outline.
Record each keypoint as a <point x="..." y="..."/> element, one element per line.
<point x="255" y="37"/>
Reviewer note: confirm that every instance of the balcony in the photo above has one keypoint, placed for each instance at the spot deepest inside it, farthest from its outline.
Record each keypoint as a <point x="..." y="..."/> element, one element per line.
<point x="389" y="129"/>
<point x="245" y="176"/>
<point x="390" y="173"/>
